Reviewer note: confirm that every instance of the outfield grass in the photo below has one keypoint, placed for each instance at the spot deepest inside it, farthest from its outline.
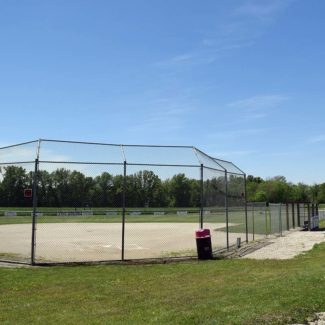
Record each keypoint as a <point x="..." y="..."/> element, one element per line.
<point x="262" y="224"/>
<point x="210" y="292"/>
<point x="49" y="215"/>
<point x="99" y="218"/>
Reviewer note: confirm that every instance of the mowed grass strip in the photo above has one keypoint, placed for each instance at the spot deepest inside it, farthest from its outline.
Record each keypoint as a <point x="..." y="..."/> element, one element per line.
<point x="205" y="292"/>
<point x="170" y="216"/>
<point x="52" y="215"/>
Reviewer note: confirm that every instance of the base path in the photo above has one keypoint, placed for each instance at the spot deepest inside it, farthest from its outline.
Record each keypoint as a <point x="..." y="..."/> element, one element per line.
<point x="73" y="242"/>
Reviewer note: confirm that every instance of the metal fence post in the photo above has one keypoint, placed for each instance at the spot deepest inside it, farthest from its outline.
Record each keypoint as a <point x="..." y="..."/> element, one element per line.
<point x="312" y="226"/>
<point x="202" y="197"/>
<point x="270" y="215"/>
<point x="293" y="216"/>
<point x="35" y="181"/>
<point x="253" y="218"/>
<point x="309" y="216"/>
<point x="123" y="212"/>
<point x="227" y="212"/>
<point x="287" y="214"/>
<point x="280" y="220"/>
<point x="246" y="217"/>
<point x="267" y="228"/>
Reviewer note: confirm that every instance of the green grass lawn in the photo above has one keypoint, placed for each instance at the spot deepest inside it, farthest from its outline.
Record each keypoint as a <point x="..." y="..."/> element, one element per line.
<point x="322" y="224"/>
<point x="206" y="292"/>
<point x="49" y="215"/>
<point x="260" y="224"/>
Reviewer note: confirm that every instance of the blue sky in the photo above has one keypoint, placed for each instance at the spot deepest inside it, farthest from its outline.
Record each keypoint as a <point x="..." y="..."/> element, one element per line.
<point x="241" y="80"/>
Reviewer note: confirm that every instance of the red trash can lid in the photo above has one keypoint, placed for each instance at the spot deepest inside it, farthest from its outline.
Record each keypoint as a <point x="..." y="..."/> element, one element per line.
<point x="201" y="233"/>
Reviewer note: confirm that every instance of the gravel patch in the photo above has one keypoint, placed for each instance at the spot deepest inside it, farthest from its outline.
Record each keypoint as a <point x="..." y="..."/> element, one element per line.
<point x="289" y="245"/>
<point x="319" y="319"/>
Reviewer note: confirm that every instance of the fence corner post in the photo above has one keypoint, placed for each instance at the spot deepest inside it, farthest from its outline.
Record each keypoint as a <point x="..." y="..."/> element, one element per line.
<point x="123" y="211"/>
<point x="34" y="213"/>
<point x="246" y="216"/>
<point x="227" y="208"/>
<point x="202" y="195"/>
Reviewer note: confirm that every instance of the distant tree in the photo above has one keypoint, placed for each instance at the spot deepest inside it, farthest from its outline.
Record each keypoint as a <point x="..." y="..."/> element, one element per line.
<point x="103" y="190"/>
<point x="214" y="190"/>
<point x="45" y="192"/>
<point x="236" y="190"/>
<point x="252" y="185"/>
<point x="149" y="188"/>
<point x="14" y="181"/>
<point x="300" y="193"/>
<point x="118" y="190"/>
<point x="79" y="189"/>
<point x="60" y="181"/>
<point x="276" y="189"/>
<point x="321" y="193"/>
<point x="180" y="191"/>
<point x="195" y="198"/>
<point x="260" y="196"/>
<point x="314" y="192"/>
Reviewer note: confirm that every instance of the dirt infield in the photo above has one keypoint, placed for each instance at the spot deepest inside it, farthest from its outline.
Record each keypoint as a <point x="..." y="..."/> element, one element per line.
<point x="81" y="242"/>
<point x="71" y="242"/>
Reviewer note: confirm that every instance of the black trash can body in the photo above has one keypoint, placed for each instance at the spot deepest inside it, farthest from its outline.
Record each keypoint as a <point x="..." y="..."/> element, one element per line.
<point x="203" y="244"/>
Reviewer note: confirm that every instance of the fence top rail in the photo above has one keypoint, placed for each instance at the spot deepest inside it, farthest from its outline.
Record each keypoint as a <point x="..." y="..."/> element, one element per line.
<point x="18" y="144"/>
<point x="209" y="159"/>
<point x="16" y="163"/>
<point x="233" y="170"/>
<point x="116" y="145"/>
<point x="194" y="157"/>
<point x="215" y="169"/>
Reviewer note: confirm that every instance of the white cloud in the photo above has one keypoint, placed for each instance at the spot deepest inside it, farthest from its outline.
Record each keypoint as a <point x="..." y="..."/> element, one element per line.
<point x="234" y="153"/>
<point x="182" y="58"/>
<point x="188" y="59"/>
<point x="259" y="102"/>
<point x="261" y="9"/>
<point x="166" y="118"/>
<point x="171" y="118"/>
<point x="50" y="155"/>
<point x="18" y="154"/>
<point x="258" y="107"/>
<point x="317" y="138"/>
<point x="237" y="133"/>
<point x="245" y="24"/>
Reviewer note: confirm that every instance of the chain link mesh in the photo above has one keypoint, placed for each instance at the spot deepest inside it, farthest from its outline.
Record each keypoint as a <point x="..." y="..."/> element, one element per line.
<point x="104" y="202"/>
<point x="214" y="206"/>
<point x="16" y="211"/>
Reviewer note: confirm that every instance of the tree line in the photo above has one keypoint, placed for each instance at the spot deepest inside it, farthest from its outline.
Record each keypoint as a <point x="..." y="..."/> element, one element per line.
<point x="71" y="188"/>
<point x="279" y="190"/>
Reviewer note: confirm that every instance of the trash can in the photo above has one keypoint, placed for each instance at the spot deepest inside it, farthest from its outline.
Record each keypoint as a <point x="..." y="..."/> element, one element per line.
<point x="203" y="244"/>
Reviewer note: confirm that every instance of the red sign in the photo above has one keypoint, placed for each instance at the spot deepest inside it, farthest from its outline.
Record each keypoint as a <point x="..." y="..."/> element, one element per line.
<point x="28" y="192"/>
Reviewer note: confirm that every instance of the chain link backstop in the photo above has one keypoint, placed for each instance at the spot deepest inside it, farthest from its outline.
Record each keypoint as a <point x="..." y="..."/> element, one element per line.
<point x="94" y="202"/>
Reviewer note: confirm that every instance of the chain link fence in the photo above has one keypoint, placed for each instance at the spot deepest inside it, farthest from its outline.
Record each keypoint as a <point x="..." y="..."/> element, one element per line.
<point x="258" y="220"/>
<point x="94" y="202"/>
<point x="277" y="218"/>
<point x="105" y="202"/>
<point x="321" y="213"/>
